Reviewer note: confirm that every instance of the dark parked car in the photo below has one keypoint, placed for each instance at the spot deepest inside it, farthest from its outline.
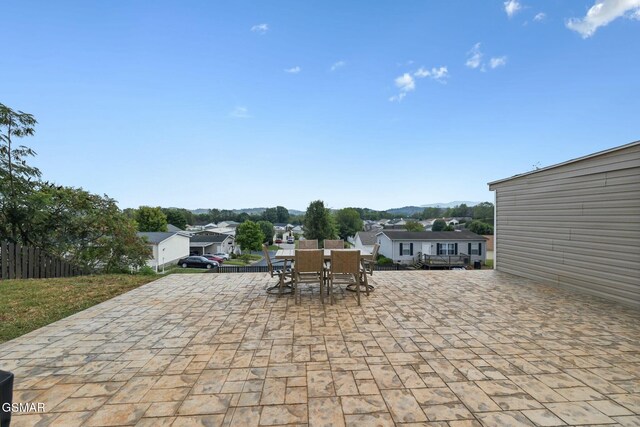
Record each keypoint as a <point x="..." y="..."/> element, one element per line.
<point x="215" y="258"/>
<point x="197" y="262"/>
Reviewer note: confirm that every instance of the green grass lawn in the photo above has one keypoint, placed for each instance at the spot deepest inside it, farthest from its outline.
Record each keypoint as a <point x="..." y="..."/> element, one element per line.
<point x="29" y="304"/>
<point x="252" y="258"/>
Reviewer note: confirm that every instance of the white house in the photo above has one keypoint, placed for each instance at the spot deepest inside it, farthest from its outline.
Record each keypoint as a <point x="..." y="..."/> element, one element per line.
<point x="167" y="247"/>
<point x="211" y="243"/>
<point x="405" y="246"/>
<point x="365" y="240"/>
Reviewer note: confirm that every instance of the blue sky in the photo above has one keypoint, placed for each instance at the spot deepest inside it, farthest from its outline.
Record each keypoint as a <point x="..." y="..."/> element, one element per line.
<point x="203" y="104"/>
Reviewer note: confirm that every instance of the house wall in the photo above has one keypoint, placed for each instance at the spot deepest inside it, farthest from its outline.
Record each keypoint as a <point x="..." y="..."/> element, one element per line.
<point x="391" y="249"/>
<point x="386" y="246"/>
<point x="575" y="225"/>
<point x="172" y="249"/>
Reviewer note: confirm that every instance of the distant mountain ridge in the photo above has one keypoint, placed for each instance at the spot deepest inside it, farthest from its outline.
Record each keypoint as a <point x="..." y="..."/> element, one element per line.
<point x="405" y="211"/>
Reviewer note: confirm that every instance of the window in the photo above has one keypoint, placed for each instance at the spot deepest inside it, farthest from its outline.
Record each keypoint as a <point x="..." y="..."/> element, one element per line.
<point x="406" y="249"/>
<point x="474" y="249"/>
<point x="447" y="249"/>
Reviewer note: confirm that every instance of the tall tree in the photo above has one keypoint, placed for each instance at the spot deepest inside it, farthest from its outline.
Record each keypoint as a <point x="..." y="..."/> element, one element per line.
<point x="484" y="212"/>
<point x="318" y="222"/>
<point x="176" y="217"/>
<point x="348" y="222"/>
<point x="151" y="219"/>
<point x="282" y="214"/>
<point x="249" y="236"/>
<point x="17" y="178"/>
<point x="270" y="214"/>
<point x="268" y="230"/>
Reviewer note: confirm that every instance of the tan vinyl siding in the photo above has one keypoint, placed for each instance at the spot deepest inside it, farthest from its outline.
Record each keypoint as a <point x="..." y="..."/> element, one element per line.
<point x="576" y="225"/>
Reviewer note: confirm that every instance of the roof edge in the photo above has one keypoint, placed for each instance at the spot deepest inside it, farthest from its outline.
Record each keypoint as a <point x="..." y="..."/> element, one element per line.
<point x="578" y="159"/>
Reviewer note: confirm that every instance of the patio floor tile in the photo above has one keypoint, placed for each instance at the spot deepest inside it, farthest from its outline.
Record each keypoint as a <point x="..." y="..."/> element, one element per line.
<point x="439" y="348"/>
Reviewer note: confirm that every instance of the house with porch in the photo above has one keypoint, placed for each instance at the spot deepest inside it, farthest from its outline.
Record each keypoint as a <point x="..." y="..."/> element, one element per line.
<point x="432" y="248"/>
<point x="211" y="243"/>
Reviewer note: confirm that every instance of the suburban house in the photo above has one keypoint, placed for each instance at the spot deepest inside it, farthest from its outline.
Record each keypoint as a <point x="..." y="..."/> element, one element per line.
<point x="409" y="247"/>
<point x="210" y="243"/>
<point x="575" y="224"/>
<point x="365" y="240"/>
<point x="167" y="247"/>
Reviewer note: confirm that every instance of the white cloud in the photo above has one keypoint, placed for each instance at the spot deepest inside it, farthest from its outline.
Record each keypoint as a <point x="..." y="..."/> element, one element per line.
<point x="337" y="65"/>
<point x="474" y="57"/>
<point x="603" y="12"/>
<point x="293" y="70"/>
<point x="405" y="83"/>
<point x="437" y="74"/>
<point x="498" y="62"/>
<point x="540" y="17"/>
<point x="240" y="113"/>
<point x="512" y="7"/>
<point x="398" y="97"/>
<point x="260" y="28"/>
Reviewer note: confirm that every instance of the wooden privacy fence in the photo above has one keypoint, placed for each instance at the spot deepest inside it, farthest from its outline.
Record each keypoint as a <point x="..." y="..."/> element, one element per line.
<point x="26" y="262"/>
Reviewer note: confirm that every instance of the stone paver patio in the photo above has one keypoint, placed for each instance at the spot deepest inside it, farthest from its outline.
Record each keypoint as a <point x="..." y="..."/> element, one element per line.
<point x="441" y="348"/>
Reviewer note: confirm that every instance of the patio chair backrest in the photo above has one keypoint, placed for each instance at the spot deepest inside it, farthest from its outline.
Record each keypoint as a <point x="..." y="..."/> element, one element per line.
<point x="334" y="244"/>
<point x="374" y="252"/>
<point x="265" y="252"/>
<point x="309" y="260"/>
<point x="307" y="244"/>
<point x="345" y="261"/>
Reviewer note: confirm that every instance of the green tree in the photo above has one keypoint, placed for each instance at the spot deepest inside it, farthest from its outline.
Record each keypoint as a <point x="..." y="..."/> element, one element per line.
<point x="249" y="236"/>
<point x="480" y="227"/>
<point x="176" y="217"/>
<point x="432" y="213"/>
<point x="282" y="214"/>
<point x="413" y="226"/>
<point x="318" y="222"/>
<point x="438" y="225"/>
<point x="267" y="229"/>
<point x="483" y="212"/>
<point x="270" y="214"/>
<point x="86" y="229"/>
<point x="348" y="222"/>
<point x="151" y="219"/>
<point x="17" y="178"/>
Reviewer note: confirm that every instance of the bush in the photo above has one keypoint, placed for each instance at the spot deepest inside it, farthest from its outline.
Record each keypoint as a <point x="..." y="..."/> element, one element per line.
<point x="246" y="258"/>
<point x="383" y="260"/>
<point x="145" y="270"/>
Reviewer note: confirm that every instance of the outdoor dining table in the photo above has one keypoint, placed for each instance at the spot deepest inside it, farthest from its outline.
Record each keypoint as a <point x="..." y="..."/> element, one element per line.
<point x="290" y="255"/>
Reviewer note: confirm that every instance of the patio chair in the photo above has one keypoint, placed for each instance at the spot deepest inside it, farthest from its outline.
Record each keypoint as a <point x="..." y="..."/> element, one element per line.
<point x="309" y="268"/>
<point x="283" y="274"/>
<point x="345" y="270"/>
<point x="367" y="269"/>
<point x="334" y="244"/>
<point x="308" y="244"/>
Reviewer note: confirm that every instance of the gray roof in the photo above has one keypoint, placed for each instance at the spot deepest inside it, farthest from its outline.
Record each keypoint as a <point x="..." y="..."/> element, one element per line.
<point x="211" y="238"/>
<point x="431" y="235"/>
<point x="579" y="159"/>
<point x="368" y="238"/>
<point x="156" y="237"/>
<point x="173" y="228"/>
